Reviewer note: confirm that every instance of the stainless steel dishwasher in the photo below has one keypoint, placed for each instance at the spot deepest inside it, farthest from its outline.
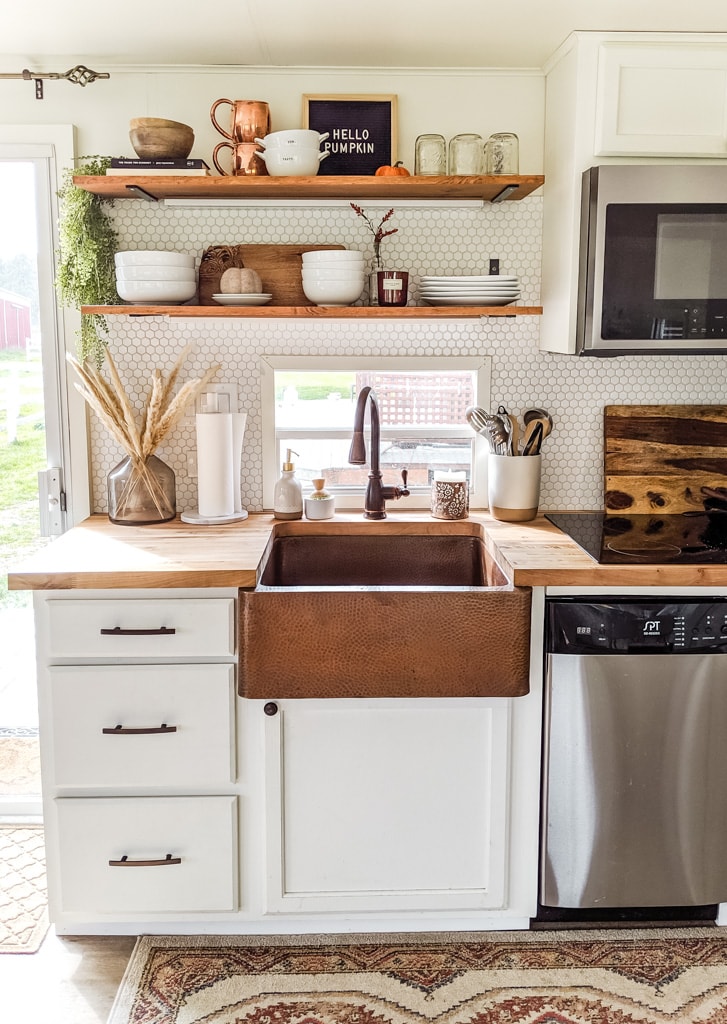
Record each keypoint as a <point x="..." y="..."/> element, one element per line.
<point x="634" y="811"/>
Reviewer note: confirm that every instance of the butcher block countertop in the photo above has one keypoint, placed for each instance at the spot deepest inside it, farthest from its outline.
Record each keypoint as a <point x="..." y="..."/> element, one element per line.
<point x="100" y="555"/>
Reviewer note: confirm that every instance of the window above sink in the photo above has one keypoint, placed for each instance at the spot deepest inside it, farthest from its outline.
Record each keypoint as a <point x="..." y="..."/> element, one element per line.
<point x="308" y="406"/>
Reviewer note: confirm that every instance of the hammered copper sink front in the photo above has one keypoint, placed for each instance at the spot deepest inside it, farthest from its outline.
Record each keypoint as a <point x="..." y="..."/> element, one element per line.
<point x="372" y="612"/>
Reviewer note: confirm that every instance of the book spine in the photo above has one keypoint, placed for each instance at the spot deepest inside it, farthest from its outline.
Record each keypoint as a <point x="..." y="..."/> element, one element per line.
<point x="171" y="164"/>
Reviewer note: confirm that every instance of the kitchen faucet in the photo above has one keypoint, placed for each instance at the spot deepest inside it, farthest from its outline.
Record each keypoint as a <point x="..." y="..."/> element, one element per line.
<point x="377" y="493"/>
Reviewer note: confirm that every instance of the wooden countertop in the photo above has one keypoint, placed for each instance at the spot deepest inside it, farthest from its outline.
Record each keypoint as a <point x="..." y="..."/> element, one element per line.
<point x="101" y="555"/>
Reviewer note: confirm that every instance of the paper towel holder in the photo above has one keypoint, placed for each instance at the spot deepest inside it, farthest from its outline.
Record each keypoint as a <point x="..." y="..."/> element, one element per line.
<point x="223" y="399"/>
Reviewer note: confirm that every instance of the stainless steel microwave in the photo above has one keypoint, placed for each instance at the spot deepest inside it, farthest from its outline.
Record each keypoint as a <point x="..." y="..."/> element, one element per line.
<point x="653" y="260"/>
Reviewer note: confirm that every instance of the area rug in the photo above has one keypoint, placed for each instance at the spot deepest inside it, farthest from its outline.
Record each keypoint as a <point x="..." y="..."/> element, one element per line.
<point x="643" y="976"/>
<point x="23" y="899"/>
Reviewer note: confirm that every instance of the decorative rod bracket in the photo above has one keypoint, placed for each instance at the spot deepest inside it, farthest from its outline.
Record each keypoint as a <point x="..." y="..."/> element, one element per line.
<point x="80" y="75"/>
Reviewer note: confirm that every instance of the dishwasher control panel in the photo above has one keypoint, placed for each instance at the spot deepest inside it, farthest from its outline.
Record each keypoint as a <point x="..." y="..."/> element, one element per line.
<point x="635" y="626"/>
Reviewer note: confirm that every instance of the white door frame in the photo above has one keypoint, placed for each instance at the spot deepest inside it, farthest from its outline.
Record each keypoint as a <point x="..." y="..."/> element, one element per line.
<point x="52" y="149"/>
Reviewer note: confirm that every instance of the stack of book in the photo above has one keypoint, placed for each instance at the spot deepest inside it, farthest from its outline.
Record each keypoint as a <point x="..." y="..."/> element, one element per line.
<point x="132" y="165"/>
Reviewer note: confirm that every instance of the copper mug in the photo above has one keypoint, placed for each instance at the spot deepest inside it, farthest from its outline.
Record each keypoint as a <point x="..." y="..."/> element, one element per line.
<point x="245" y="158"/>
<point x="250" y="118"/>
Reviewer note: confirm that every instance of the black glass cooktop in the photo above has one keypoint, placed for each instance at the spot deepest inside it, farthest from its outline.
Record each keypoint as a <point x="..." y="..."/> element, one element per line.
<point x="690" y="538"/>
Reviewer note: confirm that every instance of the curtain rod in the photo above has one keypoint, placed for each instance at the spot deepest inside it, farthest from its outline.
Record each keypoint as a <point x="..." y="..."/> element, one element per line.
<point x="80" y="75"/>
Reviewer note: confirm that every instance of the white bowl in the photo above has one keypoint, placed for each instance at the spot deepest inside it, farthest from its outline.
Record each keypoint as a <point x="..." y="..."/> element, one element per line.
<point x="328" y="264"/>
<point x="333" y="268"/>
<point x="153" y="256"/>
<point x="293" y="137"/>
<point x="154" y="272"/>
<point x="153" y="292"/>
<point x="299" y="162"/>
<point x="344" y="255"/>
<point x="332" y="294"/>
<point x="339" y="277"/>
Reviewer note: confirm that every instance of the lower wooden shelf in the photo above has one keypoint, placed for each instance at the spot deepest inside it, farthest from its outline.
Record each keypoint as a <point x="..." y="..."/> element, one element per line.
<point x="320" y="312"/>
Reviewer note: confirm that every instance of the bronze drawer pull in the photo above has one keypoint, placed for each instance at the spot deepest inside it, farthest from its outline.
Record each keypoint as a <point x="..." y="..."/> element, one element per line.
<point x="118" y="631"/>
<point x="126" y="863"/>
<point x="125" y="730"/>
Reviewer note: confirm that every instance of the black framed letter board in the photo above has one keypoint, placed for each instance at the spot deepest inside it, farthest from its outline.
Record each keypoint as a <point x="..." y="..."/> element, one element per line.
<point x="362" y="131"/>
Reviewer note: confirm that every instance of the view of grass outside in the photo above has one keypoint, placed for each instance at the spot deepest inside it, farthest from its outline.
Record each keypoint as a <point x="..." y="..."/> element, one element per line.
<point x="22" y="455"/>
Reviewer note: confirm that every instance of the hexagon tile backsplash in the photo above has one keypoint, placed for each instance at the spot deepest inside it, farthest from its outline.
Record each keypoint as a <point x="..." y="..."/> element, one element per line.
<point x="435" y="240"/>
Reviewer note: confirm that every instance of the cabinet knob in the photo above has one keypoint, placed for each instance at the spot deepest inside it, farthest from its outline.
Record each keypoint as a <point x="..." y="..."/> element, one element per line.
<point x="271" y="708"/>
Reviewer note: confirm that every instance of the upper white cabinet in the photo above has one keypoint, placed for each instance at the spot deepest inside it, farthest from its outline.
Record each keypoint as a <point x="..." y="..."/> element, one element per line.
<point x="661" y="100"/>
<point x="615" y="98"/>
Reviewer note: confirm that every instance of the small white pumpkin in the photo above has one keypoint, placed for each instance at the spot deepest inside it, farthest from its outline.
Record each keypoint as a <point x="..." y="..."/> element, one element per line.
<point x="241" y="281"/>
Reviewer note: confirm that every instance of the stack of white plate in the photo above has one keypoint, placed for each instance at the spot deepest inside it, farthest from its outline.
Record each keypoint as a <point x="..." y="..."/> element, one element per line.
<point x="155" y="277"/>
<point x="333" y="277"/>
<point x="470" y="290"/>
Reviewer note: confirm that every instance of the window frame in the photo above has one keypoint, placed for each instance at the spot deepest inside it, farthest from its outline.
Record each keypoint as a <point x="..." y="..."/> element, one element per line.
<point x="481" y="365"/>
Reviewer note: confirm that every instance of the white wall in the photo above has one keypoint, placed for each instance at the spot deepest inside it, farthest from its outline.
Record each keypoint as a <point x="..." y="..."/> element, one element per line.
<point x="443" y="101"/>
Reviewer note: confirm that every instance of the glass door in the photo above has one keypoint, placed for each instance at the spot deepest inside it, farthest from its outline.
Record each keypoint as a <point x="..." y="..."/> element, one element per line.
<point x="31" y="441"/>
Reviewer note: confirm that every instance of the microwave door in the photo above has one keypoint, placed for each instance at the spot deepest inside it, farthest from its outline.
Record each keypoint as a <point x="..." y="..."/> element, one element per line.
<point x="653" y="273"/>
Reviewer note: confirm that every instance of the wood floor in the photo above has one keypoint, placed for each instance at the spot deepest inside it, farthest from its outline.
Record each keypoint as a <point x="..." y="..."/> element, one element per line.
<point x="70" y="980"/>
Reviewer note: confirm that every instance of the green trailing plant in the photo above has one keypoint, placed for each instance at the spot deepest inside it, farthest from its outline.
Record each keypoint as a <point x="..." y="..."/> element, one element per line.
<point x="86" y="270"/>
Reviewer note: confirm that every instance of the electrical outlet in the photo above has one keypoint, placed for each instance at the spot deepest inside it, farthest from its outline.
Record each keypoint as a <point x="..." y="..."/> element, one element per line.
<point x="192" y="464"/>
<point x="218" y="389"/>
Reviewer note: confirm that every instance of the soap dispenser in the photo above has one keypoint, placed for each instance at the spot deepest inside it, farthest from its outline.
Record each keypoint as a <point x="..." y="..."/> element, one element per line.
<point x="288" y="495"/>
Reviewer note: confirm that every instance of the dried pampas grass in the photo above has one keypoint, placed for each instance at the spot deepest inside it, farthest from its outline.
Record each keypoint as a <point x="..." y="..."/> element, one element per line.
<point x="163" y="409"/>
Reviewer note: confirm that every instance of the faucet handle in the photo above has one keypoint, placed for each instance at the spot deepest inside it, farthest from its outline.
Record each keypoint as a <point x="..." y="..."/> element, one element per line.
<point x="404" y="491"/>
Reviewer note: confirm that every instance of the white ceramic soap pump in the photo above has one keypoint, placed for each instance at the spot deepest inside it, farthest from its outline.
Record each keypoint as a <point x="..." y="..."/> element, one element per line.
<point x="288" y="494"/>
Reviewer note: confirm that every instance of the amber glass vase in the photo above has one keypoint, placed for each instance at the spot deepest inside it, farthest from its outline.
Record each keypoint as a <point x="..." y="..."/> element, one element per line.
<point x="141" y="491"/>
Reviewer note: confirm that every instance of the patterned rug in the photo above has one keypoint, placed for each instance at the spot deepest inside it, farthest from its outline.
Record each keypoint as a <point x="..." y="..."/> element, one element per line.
<point x="23" y="901"/>
<point x="644" y="976"/>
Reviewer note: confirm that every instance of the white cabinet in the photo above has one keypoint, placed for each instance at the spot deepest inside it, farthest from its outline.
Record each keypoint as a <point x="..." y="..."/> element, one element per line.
<point x="662" y="99"/>
<point x="387" y="804"/>
<point x="171" y="804"/>
<point x="138" y="747"/>
<point x="631" y="97"/>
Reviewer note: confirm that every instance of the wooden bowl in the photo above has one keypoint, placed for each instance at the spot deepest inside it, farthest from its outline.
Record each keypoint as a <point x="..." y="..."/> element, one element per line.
<point x="170" y="141"/>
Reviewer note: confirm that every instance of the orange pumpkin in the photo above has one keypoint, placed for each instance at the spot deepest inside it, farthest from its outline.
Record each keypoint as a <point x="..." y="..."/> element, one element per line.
<point x="397" y="171"/>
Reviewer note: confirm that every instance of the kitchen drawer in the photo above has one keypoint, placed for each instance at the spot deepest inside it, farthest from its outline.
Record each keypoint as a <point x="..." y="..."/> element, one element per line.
<point x="134" y="628"/>
<point x="177" y="725"/>
<point x="191" y="843"/>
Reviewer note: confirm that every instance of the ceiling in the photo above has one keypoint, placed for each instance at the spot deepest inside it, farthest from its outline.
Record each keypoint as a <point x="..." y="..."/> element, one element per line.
<point x="327" y="33"/>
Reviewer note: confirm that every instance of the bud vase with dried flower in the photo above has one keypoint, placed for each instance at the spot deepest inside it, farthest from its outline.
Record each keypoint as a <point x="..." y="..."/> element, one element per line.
<point x="141" y="491"/>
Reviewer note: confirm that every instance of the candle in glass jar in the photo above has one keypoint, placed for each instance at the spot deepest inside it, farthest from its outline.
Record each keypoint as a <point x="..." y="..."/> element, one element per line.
<point x="450" y="495"/>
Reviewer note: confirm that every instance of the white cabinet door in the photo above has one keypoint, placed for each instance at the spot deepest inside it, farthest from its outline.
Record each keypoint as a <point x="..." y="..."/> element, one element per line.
<point x="662" y="100"/>
<point x="387" y="805"/>
<point x="147" y="855"/>
<point x="131" y="726"/>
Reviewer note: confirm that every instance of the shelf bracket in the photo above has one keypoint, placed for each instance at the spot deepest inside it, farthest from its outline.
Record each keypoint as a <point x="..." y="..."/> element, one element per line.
<point x="507" y="191"/>
<point x="142" y="193"/>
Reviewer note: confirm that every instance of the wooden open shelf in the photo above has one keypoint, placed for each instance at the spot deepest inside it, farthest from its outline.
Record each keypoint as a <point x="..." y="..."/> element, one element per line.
<point x="491" y="188"/>
<point x="319" y="312"/>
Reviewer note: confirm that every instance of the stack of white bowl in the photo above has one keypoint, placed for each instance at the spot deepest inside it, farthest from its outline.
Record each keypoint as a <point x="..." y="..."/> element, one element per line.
<point x="150" y="277"/>
<point x="293" y="152"/>
<point x="333" y="277"/>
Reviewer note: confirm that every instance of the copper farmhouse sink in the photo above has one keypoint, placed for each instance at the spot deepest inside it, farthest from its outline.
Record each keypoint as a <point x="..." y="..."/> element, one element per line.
<point x="382" y="610"/>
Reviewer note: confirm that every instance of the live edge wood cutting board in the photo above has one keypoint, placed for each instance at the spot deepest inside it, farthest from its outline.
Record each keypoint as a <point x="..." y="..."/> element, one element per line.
<point x="665" y="458"/>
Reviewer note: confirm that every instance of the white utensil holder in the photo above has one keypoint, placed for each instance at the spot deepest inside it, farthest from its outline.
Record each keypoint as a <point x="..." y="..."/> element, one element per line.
<point x="513" y="486"/>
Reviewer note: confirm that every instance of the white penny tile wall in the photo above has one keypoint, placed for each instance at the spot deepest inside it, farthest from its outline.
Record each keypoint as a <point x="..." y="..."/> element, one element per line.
<point x="428" y="240"/>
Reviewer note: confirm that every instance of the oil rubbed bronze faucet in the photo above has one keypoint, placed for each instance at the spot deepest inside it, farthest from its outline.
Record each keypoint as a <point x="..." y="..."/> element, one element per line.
<point x="376" y="493"/>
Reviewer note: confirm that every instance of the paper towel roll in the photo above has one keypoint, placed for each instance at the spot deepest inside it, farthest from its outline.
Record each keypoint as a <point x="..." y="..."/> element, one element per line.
<point x="215" y="490"/>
